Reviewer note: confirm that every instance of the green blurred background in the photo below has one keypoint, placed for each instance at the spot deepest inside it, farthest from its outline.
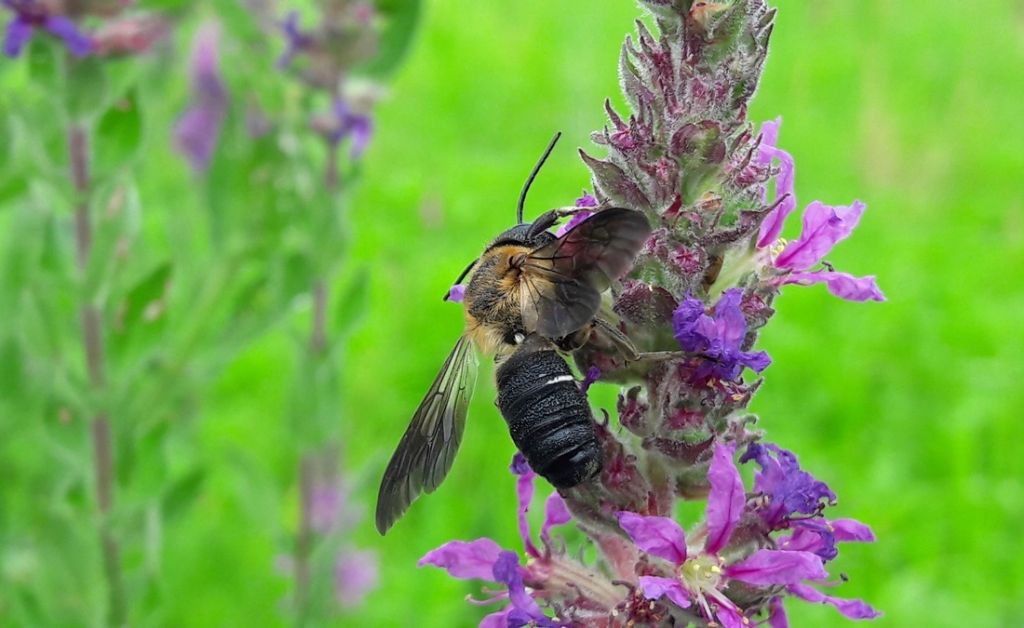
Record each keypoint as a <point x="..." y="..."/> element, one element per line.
<point x="909" y="409"/>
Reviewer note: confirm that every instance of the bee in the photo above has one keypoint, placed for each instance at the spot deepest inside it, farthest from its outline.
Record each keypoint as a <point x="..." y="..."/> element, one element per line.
<point x="527" y="295"/>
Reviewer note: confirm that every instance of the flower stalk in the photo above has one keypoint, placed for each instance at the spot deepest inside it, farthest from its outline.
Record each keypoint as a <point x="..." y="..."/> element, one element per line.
<point x="716" y="191"/>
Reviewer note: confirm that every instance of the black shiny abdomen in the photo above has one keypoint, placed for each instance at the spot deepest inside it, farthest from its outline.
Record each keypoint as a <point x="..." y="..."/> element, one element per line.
<point x="550" y="421"/>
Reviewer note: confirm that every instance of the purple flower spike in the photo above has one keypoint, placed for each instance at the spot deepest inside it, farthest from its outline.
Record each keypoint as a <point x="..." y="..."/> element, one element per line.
<point x="785" y="192"/>
<point x="465" y="559"/>
<point x="726" y="499"/>
<point x="658" y="536"/>
<point x="199" y="127"/>
<point x="719" y="338"/>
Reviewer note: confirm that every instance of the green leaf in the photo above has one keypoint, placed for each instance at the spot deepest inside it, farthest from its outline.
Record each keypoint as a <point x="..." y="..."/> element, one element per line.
<point x="145" y="293"/>
<point x="401" y="17"/>
<point x="118" y="133"/>
<point x="86" y="87"/>
<point x="182" y="493"/>
<point x="351" y="304"/>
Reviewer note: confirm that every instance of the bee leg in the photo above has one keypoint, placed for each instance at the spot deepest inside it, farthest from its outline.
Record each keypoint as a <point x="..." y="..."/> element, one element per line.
<point x="628" y="349"/>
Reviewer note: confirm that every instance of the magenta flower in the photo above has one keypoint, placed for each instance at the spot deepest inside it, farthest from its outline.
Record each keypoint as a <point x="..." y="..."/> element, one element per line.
<point x="196" y="132"/>
<point x="824" y="227"/>
<point x="787" y="489"/>
<point x="718" y="337"/>
<point x="484" y="559"/>
<point x="592" y="375"/>
<point x="30" y="15"/>
<point x="587" y="200"/>
<point x="700" y="576"/>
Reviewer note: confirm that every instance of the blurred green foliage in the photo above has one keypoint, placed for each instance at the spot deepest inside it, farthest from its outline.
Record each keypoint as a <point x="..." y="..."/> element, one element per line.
<point x="908" y="409"/>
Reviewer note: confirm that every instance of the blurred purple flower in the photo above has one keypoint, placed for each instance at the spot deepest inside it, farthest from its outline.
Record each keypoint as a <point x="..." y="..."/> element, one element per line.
<point x="349" y="125"/>
<point x="295" y="39"/>
<point x="30" y="15"/>
<point x="197" y="131"/>
<point x="355" y="575"/>
<point x="703" y="576"/>
<point x="717" y="338"/>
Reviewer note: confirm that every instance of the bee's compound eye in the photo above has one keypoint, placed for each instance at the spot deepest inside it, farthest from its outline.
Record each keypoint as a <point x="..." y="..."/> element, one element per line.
<point x="519" y="338"/>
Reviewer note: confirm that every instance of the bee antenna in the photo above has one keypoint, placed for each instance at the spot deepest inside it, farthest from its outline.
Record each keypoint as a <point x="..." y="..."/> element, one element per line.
<point x="533" y="175"/>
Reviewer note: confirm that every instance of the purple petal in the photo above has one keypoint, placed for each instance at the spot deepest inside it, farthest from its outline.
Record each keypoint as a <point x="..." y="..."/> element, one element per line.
<point x="731" y="617"/>
<point x="655" y="587"/>
<point x="508" y="571"/>
<point x="586" y="200"/>
<point x="361" y="128"/>
<point x="756" y="361"/>
<point x="576" y="219"/>
<point x="465" y="559"/>
<point x="457" y="293"/>
<point x="842" y="285"/>
<point x="853" y="609"/>
<point x="593" y="374"/>
<point x="726" y="499"/>
<point x="777" y="614"/>
<point x="824" y="226"/>
<point x="496" y="620"/>
<point x="771" y="567"/>
<point x="524" y="494"/>
<point x="659" y="536"/>
<point x="732" y="326"/>
<point x="784" y="187"/>
<point x="76" y="42"/>
<point x="355" y="575"/>
<point x="687" y="324"/>
<point x="19" y="32"/>
<point x="789" y="489"/>
<point x="852" y="530"/>
<point x="556" y="513"/>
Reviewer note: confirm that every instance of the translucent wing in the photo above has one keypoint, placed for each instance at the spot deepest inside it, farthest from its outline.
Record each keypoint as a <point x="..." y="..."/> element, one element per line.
<point x="562" y="281"/>
<point x="425" y="453"/>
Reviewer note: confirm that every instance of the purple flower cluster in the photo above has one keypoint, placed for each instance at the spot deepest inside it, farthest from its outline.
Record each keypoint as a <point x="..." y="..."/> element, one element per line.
<point x="691" y="578"/>
<point x="718" y="337"/>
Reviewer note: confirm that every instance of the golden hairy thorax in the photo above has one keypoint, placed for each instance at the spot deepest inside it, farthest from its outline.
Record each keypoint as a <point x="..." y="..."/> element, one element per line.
<point x="492" y="303"/>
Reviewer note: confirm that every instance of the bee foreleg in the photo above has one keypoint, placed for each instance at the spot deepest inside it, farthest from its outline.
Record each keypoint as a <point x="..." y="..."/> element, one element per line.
<point x="628" y="349"/>
<point x="548" y="219"/>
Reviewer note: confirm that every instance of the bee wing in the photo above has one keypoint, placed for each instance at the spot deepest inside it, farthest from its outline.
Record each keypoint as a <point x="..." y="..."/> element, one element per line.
<point x="425" y="453"/>
<point x="562" y="281"/>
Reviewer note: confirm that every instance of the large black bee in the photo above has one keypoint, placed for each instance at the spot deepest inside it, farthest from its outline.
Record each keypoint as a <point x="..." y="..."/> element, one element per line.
<point x="528" y="293"/>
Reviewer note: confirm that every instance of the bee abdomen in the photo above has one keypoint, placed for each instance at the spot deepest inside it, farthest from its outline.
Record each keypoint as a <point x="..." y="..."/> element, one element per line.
<point x="549" y="417"/>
